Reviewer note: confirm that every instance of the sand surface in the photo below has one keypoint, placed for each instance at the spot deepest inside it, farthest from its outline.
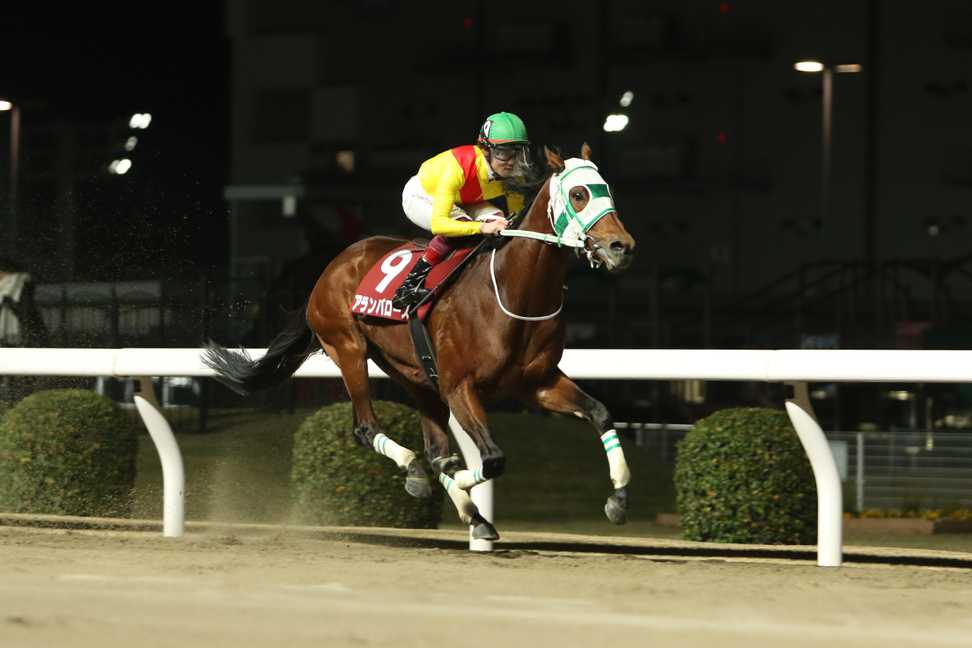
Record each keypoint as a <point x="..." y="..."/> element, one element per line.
<point x="249" y="586"/>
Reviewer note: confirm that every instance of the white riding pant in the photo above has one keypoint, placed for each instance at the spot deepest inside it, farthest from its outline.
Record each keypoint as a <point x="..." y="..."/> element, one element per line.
<point x="417" y="204"/>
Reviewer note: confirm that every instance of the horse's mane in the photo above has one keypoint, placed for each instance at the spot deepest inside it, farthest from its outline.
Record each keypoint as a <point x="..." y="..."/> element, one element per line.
<point x="529" y="180"/>
<point x="528" y="184"/>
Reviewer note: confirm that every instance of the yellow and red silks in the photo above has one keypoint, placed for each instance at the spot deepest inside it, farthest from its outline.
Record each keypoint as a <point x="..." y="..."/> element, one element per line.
<point x="461" y="176"/>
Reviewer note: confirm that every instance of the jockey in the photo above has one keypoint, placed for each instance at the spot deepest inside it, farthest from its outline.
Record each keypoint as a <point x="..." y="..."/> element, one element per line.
<point x="451" y="193"/>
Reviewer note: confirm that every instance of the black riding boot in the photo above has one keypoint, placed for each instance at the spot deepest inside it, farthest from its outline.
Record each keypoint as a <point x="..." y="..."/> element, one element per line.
<point x="412" y="291"/>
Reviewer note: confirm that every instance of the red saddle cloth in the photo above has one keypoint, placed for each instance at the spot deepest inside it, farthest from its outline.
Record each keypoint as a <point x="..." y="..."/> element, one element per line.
<point x="374" y="294"/>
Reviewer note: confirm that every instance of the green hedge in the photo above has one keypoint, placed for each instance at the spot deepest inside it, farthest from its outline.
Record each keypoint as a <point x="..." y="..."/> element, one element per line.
<point x="742" y="476"/>
<point x="337" y="481"/>
<point x="67" y="452"/>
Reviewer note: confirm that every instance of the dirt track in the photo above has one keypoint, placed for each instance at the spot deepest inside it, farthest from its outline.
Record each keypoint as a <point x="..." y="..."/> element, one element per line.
<point x="238" y="587"/>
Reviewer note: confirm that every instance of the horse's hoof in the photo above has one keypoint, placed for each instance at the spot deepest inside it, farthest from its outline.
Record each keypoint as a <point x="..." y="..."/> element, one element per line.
<point x="616" y="507"/>
<point x="483" y="530"/>
<point x="417" y="482"/>
<point x="362" y="435"/>
<point x="494" y="466"/>
<point x="448" y="465"/>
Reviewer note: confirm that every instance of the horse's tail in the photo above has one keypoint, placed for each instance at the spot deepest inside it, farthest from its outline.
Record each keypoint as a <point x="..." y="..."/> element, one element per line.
<point x="286" y="353"/>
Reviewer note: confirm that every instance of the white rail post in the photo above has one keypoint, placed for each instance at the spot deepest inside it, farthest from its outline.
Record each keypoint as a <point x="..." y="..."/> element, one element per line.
<point x="481" y="494"/>
<point x="830" y="514"/>
<point x="173" y="474"/>
<point x="860" y="472"/>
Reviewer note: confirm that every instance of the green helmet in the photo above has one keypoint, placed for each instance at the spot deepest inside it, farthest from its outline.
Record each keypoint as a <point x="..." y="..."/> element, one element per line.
<point x="502" y="128"/>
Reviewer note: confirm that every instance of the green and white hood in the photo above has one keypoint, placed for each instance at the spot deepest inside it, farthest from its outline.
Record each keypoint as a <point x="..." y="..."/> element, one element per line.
<point x="569" y="225"/>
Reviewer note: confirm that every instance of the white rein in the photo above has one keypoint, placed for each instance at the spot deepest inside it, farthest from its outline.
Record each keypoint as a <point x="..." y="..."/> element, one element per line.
<point x="540" y="318"/>
<point x="574" y="235"/>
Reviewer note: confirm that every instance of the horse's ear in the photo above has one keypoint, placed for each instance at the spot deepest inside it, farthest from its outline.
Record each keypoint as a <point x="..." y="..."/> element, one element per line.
<point x="585" y="151"/>
<point x="554" y="161"/>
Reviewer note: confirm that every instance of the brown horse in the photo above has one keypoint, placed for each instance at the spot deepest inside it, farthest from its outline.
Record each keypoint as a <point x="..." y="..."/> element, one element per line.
<point x="483" y="352"/>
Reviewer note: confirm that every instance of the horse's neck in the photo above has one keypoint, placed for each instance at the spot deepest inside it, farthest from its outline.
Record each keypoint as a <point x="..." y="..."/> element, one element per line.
<point x="537" y="268"/>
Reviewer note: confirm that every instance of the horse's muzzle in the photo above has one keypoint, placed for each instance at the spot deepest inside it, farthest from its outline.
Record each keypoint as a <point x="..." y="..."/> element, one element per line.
<point x="616" y="255"/>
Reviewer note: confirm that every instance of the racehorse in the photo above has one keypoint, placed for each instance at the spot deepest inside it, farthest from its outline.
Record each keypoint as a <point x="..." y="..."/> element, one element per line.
<point x="497" y="333"/>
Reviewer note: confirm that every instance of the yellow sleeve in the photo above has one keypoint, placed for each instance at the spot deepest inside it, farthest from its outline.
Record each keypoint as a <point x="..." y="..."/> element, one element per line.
<point x="451" y="227"/>
<point x="444" y="198"/>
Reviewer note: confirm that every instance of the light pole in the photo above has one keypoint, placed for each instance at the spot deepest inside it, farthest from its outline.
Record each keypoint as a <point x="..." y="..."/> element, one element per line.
<point x="826" y="121"/>
<point x="7" y="106"/>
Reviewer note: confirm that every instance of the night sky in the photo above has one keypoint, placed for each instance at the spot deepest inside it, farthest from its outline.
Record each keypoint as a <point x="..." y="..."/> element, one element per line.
<point x="98" y="62"/>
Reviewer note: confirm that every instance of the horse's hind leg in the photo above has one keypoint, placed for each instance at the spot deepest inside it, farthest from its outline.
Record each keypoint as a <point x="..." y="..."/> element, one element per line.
<point x="562" y="395"/>
<point x="455" y="481"/>
<point x="353" y="363"/>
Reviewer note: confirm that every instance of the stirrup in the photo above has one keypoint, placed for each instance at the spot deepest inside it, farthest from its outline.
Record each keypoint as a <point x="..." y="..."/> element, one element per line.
<point x="412" y="290"/>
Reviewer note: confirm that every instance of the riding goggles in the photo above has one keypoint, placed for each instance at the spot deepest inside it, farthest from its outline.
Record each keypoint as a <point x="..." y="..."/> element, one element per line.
<point x="506" y="152"/>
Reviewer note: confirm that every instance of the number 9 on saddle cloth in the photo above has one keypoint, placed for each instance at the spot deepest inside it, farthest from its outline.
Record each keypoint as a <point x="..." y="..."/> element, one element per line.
<point x="373" y="297"/>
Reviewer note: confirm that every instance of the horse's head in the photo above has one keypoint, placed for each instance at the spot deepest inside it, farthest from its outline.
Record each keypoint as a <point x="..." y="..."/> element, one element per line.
<point x="582" y="208"/>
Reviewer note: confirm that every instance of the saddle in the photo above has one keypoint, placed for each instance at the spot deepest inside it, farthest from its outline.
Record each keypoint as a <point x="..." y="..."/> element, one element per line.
<point x="374" y="294"/>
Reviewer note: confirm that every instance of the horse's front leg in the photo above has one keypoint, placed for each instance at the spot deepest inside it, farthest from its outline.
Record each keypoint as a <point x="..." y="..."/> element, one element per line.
<point x="561" y="394"/>
<point x="469" y="412"/>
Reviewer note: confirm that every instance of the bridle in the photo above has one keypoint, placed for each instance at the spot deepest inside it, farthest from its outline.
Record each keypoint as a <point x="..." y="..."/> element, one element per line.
<point x="570" y="226"/>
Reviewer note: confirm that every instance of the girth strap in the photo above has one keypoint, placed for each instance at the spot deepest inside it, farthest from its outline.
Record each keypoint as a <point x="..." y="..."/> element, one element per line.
<point x="416" y="329"/>
<point x="420" y="337"/>
<point x="423" y="348"/>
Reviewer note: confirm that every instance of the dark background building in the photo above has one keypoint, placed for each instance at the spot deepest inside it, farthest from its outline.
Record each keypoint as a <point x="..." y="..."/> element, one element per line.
<point x="78" y="73"/>
<point x="282" y="131"/>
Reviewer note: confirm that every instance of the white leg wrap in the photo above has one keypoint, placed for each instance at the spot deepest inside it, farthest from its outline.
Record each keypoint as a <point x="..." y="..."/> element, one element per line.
<point x="385" y="446"/>
<point x="466" y="479"/>
<point x="459" y="497"/>
<point x="620" y="475"/>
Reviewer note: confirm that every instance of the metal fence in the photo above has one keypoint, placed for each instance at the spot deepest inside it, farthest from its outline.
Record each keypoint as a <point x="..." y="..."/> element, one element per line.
<point x="896" y="469"/>
<point x="906" y="469"/>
